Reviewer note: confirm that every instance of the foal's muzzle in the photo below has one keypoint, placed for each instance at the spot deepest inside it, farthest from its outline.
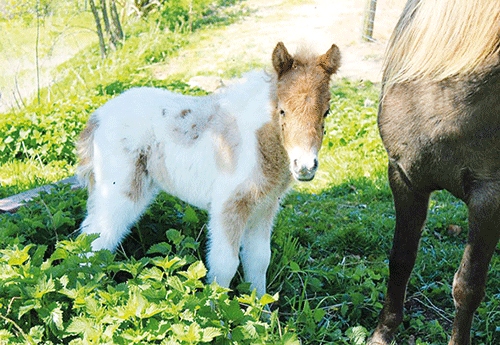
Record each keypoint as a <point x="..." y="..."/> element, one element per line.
<point x="304" y="166"/>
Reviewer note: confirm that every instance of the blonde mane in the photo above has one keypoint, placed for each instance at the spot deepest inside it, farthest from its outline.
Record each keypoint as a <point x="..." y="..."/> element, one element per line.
<point x="305" y="55"/>
<point x="440" y="39"/>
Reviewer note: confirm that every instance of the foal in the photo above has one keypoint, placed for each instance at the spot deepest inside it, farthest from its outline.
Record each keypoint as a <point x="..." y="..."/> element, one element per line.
<point x="233" y="154"/>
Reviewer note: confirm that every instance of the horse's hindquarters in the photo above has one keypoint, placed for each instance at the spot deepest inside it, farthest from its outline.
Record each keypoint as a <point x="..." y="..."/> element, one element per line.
<point x="442" y="135"/>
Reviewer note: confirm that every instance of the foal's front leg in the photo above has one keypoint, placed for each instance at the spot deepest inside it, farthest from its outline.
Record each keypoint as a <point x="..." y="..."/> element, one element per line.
<point x="227" y="223"/>
<point x="256" y="246"/>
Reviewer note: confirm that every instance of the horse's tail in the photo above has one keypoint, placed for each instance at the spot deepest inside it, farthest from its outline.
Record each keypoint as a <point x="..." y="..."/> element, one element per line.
<point x="85" y="149"/>
<point x="440" y="39"/>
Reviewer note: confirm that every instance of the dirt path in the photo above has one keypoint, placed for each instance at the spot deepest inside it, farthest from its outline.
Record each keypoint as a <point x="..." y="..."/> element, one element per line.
<point x="319" y="23"/>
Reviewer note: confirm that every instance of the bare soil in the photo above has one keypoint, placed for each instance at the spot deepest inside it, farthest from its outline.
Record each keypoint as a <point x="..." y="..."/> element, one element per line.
<point x="315" y="23"/>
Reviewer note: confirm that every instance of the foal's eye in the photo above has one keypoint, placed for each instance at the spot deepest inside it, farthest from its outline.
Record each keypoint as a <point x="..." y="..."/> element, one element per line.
<point x="282" y="112"/>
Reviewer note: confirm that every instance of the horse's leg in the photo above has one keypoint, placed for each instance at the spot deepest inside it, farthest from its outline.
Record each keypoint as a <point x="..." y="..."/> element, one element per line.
<point x="112" y="209"/>
<point x="256" y="247"/>
<point x="470" y="279"/>
<point x="411" y="212"/>
<point x="227" y="223"/>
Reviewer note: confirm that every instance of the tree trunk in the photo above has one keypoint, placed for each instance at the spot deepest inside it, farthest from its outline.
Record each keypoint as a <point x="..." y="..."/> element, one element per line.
<point x="99" y="28"/>
<point x="116" y="20"/>
<point x="110" y="32"/>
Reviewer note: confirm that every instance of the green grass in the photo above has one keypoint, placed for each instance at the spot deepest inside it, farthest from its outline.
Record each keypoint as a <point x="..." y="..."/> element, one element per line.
<point x="18" y="176"/>
<point x="330" y="242"/>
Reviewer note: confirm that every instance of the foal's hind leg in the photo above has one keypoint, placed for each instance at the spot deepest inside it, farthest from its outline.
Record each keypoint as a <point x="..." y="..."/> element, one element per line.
<point x="411" y="212"/>
<point x="470" y="279"/>
<point x="114" y="206"/>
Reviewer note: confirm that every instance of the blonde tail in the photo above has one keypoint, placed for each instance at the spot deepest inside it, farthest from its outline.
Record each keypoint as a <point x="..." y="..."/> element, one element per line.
<point x="85" y="149"/>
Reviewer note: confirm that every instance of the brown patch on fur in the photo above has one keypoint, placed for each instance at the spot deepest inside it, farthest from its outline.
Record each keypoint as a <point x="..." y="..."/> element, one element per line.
<point x="271" y="178"/>
<point x="184" y="113"/>
<point x="227" y="138"/>
<point x="273" y="159"/>
<point x="85" y="150"/>
<point x="237" y="211"/>
<point x="157" y="168"/>
<point x="139" y="176"/>
<point x="187" y="129"/>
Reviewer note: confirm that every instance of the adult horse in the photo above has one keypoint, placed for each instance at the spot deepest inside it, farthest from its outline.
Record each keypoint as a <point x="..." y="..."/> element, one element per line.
<point x="232" y="153"/>
<point x="439" y="119"/>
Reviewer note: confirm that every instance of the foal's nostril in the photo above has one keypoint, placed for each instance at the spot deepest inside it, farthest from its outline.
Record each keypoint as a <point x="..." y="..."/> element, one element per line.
<point x="305" y="168"/>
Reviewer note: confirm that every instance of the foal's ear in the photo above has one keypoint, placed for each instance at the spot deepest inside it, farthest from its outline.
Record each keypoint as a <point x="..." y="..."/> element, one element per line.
<point x="330" y="61"/>
<point x="282" y="60"/>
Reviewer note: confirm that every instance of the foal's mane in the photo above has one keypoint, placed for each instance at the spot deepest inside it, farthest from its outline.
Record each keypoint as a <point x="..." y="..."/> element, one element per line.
<point x="440" y="39"/>
<point x="305" y="55"/>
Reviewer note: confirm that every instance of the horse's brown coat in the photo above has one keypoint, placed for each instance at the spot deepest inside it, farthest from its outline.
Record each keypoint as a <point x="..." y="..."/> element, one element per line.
<point x="439" y="119"/>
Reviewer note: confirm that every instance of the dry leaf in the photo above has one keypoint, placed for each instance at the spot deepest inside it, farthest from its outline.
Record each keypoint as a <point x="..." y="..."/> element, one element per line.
<point x="454" y="230"/>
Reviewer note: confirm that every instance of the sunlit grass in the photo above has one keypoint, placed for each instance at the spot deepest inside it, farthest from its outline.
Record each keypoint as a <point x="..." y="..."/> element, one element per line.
<point x="19" y="176"/>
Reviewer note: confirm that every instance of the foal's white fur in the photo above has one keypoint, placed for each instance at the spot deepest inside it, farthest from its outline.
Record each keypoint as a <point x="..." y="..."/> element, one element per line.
<point x="204" y="150"/>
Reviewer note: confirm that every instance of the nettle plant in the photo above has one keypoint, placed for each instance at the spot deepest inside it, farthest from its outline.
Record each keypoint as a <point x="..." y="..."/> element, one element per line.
<point x="57" y="294"/>
<point x="74" y="299"/>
